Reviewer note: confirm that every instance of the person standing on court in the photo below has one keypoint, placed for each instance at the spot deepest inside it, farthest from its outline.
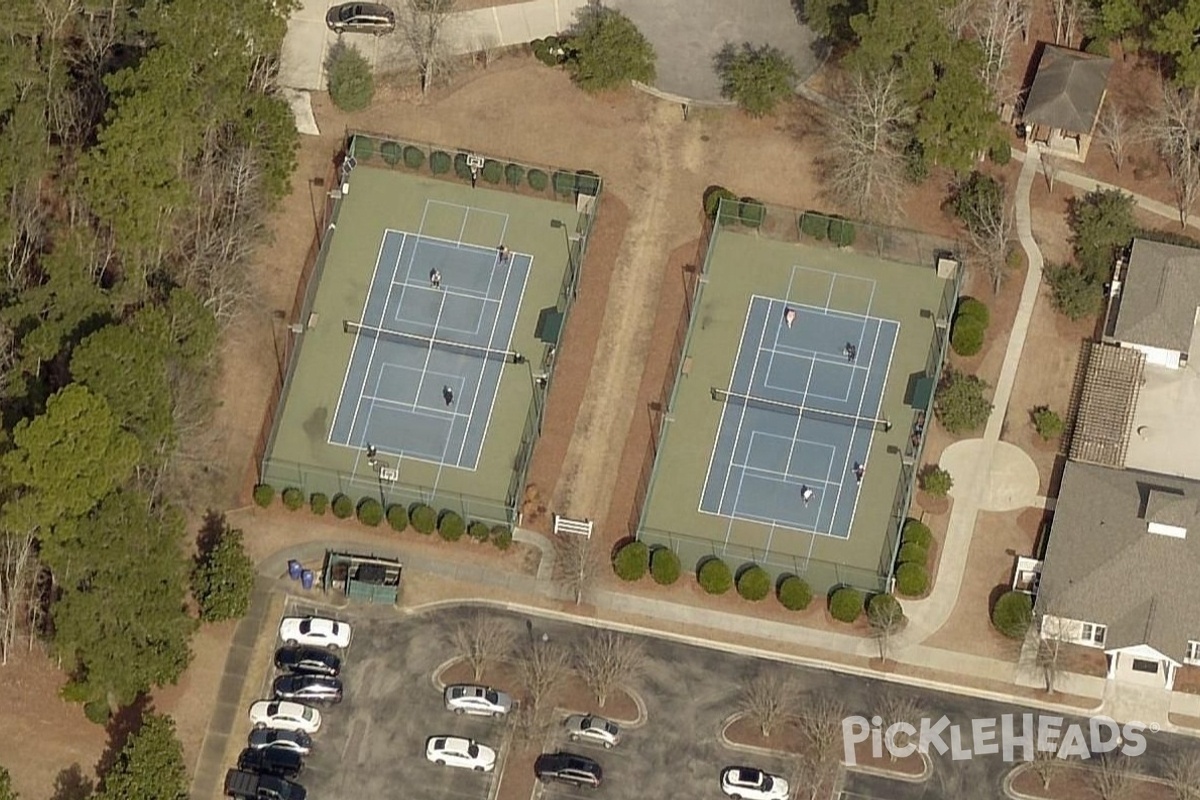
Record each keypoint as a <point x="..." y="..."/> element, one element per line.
<point x="859" y="471"/>
<point x="448" y="395"/>
<point x="502" y="255"/>
<point x="851" y="352"/>
<point x="435" y="278"/>
<point x="806" y="494"/>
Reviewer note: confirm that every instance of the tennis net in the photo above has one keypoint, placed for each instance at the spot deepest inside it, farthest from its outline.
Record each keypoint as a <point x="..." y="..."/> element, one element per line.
<point x="838" y="417"/>
<point x="416" y="340"/>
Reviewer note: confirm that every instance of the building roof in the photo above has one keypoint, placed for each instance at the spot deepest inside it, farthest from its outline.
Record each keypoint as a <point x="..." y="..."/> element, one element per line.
<point x="1159" y="296"/>
<point x="1102" y="565"/>
<point x="1104" y="414"/>
<point x="1067" y="90"/>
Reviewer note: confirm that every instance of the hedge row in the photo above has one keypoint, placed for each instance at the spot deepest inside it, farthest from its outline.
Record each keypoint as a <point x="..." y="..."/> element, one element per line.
<point x="840" y="232"/>
<point x="733" y="209"/>
<point x="370" y="512"/>
<point x="441" y="162"/>
<point x="912" y="563"/>
<point x="634" y="559"/>
<point x="969" y="328"/>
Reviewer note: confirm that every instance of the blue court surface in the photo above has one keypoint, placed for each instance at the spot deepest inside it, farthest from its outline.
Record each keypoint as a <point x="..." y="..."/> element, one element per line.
<point x="765" y="457"/>
<point x="427" y="400"/>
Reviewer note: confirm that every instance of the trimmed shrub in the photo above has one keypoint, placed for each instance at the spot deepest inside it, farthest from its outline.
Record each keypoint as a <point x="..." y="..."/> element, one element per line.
<point x="1000" y="153"/>
<point x="370" y="512"/>
<point x="754" y="583"/>
<point x="293" y="498"/>
<point x="351" y="84"/>
<point x="974" y="310"/>
<point x="960" y="404"/>
<point x="439" y="162"/>
<point x="1074" y="293"/>
<point x="814" y="225"/>
<point x="451" y="526"/>
<point x="97" y="711"/>
<point x="514" y="174"/>
<point x="264" y="494"/>
<point x="544" y="53"/>
<point x="342" y="506"/>
<point x="714" y="576"/>
<point x="842" y="232"/>
<point x="422" y="518"/>
<point x="912" y="553"/>
<point x="846" y="604"/>
<point x="966" y="337"/>
<point x="936" y="481"/>
<point x="664" y="566"/>
<point x="912" y="579"/>
<point x="460" y="166"/>
<point x="794" y="594"/>
<point x="1049" y="424"/>
<point x="363" y="148"/>
<point x="492" y="172"/>
<point x="587" y="182"/>
<point x="1012" y="614"/>
<point x="537" y="180"/>
<point x="713" y="196"/>
<point x="631" y="561"/>
<point x="414" y="157"/>
<point x="501" y="537"/>
<point x="564" y="183"/>
<point x="391" y="152"/>
<point x="397" y="517"/>
<point x="751" y="212"/>
<point x="319" y="503"/>
<point x="479" y="531"/>
<point x="918" y="533"/>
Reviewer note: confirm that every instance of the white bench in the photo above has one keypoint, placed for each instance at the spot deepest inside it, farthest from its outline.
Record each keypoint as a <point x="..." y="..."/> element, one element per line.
<point x="578" y="527"/>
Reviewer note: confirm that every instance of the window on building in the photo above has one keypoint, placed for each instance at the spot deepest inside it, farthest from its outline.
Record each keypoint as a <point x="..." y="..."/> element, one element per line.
<point x="1142" y="665"/>
<point x="1193" y="653"/>
<point x="1093" y="634"/>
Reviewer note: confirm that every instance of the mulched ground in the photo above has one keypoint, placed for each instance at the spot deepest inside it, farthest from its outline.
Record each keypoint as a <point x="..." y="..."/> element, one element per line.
<point x="1072" y="782"/>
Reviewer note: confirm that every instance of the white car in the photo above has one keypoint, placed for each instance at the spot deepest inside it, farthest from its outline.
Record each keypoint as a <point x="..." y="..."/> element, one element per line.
<point x="285" y="715"/>
<point x="480" y="701"/>
<point x="315" y="631"/>
<point x="455" y="751"/>
<point x="748" y="783"/>
<point x="590" y="728"/>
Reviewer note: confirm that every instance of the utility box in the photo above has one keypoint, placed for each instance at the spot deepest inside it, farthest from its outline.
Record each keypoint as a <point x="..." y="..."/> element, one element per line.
<point x="362" y="578"/>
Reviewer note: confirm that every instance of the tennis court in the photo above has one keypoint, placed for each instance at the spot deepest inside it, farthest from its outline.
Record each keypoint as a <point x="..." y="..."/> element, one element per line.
<point x="799" y="415"/>
<point x="429" y="349"/>
<point x="803" y="386"/>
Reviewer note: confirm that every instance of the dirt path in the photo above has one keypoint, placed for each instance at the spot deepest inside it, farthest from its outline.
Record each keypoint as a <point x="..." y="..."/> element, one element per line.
<point x="590" y="470"/>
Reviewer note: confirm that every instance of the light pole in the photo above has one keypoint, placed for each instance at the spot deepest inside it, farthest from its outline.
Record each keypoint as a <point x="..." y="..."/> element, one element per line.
<point x="558" y="223"/>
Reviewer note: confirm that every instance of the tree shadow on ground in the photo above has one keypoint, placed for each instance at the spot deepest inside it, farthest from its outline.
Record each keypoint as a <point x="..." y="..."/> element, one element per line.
<point x="121" y="726"/>
<point x="211" y="531"/>
<point x="72" y="784"/>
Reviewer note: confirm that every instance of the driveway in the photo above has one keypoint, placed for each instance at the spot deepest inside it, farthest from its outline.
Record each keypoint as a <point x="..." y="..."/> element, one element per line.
<point x="374" y="741"/>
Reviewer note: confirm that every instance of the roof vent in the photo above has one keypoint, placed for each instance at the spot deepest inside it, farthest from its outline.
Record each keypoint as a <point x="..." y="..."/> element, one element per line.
<point x="1168" y="513"/>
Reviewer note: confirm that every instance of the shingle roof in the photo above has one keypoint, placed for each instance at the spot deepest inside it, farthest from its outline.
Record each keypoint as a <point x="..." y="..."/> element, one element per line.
<point x="1103" y="566"/>
<point x="1067" y="89"/>
<point x="1159" y="296"/>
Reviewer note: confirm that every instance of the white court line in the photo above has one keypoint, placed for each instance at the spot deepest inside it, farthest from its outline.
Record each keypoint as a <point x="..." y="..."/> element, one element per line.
<point x="411" y="260"/>
<point x="354" y="347"/>
<point x="812" y="355"/>
<point x="435" y="412"/>
<point x="483" y="369"/>
<point x="462" y="229"/>
<point x="507" y="346"/>
<point x="387" y="299"/>
<point x="812" y="365"/>
<point x="428" y="355"/>
<point x="870" y="441"/>
<point x="776" y="476"/>
<point x="827" y="312"/>
<point x="742" y="418"/>
<point x="863" y="331"/>
<point x="854" y="435"/>
<point x="721" y="422"/>
<point x="732" y="517"/>
<point x="464" y="293"/>
<point x="755" y="435"/>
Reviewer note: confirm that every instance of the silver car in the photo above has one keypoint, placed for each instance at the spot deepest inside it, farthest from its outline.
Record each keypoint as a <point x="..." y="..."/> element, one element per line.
<point x="590" y="728"/>
<point x="480" y="701"/>
<point x="360" y="17"/>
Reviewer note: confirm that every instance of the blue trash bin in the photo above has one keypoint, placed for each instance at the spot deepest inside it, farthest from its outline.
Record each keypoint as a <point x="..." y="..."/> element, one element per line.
<point x="294" y="569"/>
<point x="306" y="578"/>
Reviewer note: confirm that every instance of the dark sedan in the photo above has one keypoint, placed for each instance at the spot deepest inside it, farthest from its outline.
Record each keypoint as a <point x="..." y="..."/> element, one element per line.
<point x="308" y="660"/>
<point x="297" y="741"/>
<point x="271" y="761"/>
<point x="308" y="689"/>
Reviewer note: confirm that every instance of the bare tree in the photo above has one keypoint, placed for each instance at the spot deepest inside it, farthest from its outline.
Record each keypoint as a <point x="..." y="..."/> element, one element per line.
<point x="1175" y="129"/>
<point x="957" y="16"/>
<point x="1046" y="764"/>
<point x="19" y="605"/>
<point x="1117" y="132"/>
<point x="769" y="699"/>
<point x="1050" y="168"/>
<point x="810" y="773"/>
<point x="608" y="660"/>
<point x="990" y="221"/>
<point x="897" y="707"/>
<point x="886" y="620"/>
<point x="577" y="563"/>
<point x="998" y="24"/>
<point x="481" y="639"/>
<point x="820" y="723"/>
<point x="531" y="726"/>
<point x="424" y="29"/>
<point x="1112" y="776"/>
<point x="487" y="48"/>
<point x="1051" y="636"/>
<point x="1070" y="17"/>
<point x="543" y="665"/>
<point x="864" y="165"/>
<point x="1183" y="775"/>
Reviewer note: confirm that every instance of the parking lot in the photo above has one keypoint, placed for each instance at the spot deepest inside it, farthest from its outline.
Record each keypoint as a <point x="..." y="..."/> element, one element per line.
<point x="372" y="744"/>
